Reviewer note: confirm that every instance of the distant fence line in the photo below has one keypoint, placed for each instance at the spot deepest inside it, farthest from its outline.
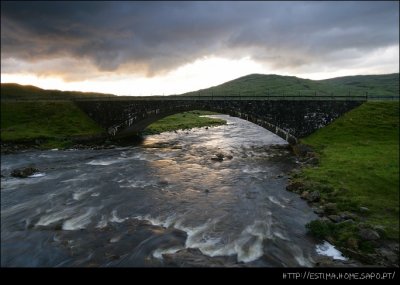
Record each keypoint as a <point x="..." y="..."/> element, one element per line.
<point x="313" y="95"/>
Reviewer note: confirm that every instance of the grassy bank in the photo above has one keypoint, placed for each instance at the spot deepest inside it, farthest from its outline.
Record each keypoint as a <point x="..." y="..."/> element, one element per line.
<point x="358" y="172"/>
<point x="183" y="121"/>
<point x="51" y="122"/>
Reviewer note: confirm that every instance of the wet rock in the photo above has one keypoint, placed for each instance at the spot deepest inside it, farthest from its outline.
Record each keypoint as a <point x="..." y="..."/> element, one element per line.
<point x="318" y="211"/>
<point x="352" y="243"/>
<point x="345" y="222"/>
<point x="295" y="172"/>
<point x="347" y="216"/>
<point x="368" y="234"/>
<point x="218" y="157"/>
<point x="207" y="191"/>
<point x="390" y="254"/>
<point x="325" y="219"/>
<point x="163" y="183"/>
<point x="251" y="195"/>
<point x="229" y="156"/>
<point x="354" y="253"/>
<point x="326" y="261"/>
<point x="380" y="230"/>
<point x="114" y="239"/>
<point x="303" y="160"/>
<point x="314" y="196"/>
<point x="295" y="186"/>
<point x="301" y="149"/>
<point x="24" y="172"/>
<point x="280" y="146"/>
<point x="335" y="218"/>
<point x="313" y="161"/>
<point x="190" y="257"/>
<point x="364" y="209"/>
<point x="157" y="145"/>
<point x="113" y="256"/>
<point x="330" y="208"/>
<point x="56" y="226"/>
<point x="305" y="195"/>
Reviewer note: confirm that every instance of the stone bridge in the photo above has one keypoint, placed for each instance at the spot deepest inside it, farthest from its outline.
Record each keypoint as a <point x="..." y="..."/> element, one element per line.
<point x="289" y="119"/>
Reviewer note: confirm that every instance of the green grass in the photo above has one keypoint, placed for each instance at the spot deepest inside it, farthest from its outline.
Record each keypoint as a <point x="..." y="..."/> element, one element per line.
<point x="262" y="85"/>
<point x="52" y="121"/>
<point x="359" y="159"/>
<point x="186" y="120"/>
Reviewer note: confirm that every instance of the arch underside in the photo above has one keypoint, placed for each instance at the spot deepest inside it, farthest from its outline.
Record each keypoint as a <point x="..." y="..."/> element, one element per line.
<point x="138" y="126"/>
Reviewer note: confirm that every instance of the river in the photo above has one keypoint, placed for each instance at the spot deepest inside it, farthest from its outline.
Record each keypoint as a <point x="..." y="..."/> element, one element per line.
<point x="166" y="202"/>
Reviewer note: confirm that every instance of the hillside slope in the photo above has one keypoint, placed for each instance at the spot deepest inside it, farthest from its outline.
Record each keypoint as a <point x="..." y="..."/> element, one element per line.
<point x="17" y="91"/>
<point x="386" y="84"/>
<point x="264" y="85"/>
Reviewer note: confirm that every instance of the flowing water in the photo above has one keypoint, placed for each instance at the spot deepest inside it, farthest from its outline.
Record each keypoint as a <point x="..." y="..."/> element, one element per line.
<point x="167" y="202"/>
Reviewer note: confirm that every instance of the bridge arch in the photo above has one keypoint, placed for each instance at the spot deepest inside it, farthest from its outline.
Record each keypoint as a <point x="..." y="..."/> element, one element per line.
<point x="131" y="129"/>
<point x="289" y="119"/>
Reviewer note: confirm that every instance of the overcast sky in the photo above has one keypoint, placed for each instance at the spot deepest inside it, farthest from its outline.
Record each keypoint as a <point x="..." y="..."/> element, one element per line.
<point x="144" y="48"/>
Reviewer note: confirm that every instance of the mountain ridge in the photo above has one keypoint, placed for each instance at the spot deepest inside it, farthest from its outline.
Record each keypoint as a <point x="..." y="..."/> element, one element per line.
<point x="255" y="84"/>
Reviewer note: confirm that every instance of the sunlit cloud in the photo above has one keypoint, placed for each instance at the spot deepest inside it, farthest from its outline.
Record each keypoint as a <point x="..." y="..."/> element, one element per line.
<point x="183" y="79"/>
<point x="137" y="48"/>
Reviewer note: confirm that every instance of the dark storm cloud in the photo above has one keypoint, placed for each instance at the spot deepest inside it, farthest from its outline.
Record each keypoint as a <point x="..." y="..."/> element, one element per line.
<point x="158" y="36"/>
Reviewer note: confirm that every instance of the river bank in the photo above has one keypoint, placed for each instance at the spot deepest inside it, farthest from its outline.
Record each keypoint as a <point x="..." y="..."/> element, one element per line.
<point x="350" y="178"/>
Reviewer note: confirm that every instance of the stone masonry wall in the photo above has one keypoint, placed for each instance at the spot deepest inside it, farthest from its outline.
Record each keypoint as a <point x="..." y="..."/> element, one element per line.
<point x="288" y="119"/>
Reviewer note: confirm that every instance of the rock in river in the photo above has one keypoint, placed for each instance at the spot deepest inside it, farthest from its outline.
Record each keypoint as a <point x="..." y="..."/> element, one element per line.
<point x="24" y="172"/>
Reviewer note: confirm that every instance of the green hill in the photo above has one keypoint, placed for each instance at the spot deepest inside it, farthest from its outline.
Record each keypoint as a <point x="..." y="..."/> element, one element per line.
<point x="249" y="85"/>
<point x="262" y="85"/>
<point x="16" y="91"/>
<point x="386" y="84"/>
